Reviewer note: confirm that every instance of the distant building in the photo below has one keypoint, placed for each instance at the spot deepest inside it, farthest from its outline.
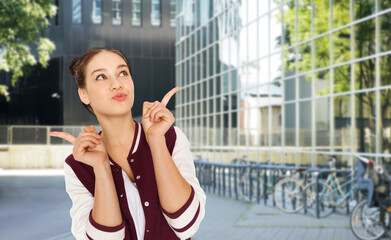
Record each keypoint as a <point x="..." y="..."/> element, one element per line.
<point x="144" y="30"/>
<point x="285" y="82"/>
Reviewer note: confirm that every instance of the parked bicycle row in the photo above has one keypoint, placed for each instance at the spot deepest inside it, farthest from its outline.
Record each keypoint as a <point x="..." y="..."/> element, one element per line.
<point x="282" y="186"/>
<point x="319" y="192"/>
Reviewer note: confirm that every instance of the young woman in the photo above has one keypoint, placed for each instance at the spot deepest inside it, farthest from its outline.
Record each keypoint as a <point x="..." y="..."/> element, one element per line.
<point x="130" y="180"/>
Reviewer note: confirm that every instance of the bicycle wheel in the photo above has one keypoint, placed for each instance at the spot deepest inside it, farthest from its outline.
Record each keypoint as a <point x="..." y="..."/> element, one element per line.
<point x="365" y="222"/>
<point x="326" y="199"/>
<point x="352" y="200"/>
<point x="288" y="195"/>
<point x="248" y="188"/>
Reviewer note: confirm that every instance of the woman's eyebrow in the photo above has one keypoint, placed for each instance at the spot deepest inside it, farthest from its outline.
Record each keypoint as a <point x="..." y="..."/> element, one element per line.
<point x="98" y="70"/>
<point x="122" y="65"/>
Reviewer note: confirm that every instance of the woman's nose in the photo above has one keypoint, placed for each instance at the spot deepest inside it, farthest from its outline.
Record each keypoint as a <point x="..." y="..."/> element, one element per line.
<point x="116" y="84"/>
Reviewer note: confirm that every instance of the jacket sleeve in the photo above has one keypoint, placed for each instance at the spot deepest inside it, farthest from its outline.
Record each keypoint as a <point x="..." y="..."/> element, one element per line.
<point x="83" y="225"/>
<point x="186" y="221"/>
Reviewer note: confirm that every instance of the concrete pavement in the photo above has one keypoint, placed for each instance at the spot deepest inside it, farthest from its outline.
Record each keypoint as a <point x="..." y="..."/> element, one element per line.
<point x="37" y="207"/>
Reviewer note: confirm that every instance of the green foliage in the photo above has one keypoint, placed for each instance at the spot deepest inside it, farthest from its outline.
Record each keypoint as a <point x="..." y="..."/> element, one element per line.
<point x="22" y="24"/>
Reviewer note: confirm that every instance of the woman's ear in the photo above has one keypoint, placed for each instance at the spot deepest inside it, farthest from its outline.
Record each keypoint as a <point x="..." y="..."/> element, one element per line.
<point x="83" y="96"/>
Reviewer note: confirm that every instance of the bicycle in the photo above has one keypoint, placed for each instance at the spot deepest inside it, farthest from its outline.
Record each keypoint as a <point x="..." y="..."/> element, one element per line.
<point x="332" y="194"/>
<point x="288" y="192"/>
<point x="370" y="219"/>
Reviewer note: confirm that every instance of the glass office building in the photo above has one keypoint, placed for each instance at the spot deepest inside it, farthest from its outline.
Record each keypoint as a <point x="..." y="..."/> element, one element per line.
<point x="285" y="82"/>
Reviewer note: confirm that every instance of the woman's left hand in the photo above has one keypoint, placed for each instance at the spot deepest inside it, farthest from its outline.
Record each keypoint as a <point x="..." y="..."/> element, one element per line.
<point x="157" y="119"/>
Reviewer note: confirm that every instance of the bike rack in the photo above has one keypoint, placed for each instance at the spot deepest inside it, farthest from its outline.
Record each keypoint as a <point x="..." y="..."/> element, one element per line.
<point x="218" y="177"/>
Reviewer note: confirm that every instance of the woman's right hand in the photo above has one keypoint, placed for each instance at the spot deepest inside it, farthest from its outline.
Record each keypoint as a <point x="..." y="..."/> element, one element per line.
<point x="88" y="146"/>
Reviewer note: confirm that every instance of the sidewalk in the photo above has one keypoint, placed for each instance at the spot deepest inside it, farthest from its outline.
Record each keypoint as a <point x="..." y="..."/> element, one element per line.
<point x="230" y="219"/>
<point x="26" y="197"/>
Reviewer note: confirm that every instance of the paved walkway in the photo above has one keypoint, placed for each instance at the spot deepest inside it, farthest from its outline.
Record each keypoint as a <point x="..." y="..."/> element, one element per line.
<point x="230" y="219"/>
<point x="41" y="206"/>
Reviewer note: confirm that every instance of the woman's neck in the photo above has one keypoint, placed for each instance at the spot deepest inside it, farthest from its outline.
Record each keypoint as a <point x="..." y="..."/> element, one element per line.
<point x="117" y="131"/>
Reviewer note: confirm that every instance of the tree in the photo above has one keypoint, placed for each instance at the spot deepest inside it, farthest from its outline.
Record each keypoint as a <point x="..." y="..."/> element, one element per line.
<point x="363" y="35"/>
<point x="22" y="25"/>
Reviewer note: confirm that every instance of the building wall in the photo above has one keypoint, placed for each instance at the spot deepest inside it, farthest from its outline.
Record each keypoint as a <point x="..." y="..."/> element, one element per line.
<point x="288" y="82"/>
<point x="149" y="50"/>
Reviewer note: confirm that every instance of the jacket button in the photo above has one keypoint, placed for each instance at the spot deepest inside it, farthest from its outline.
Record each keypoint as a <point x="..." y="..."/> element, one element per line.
<point x="138" y="177"/>
<point x="146" y="204"/>
<point x="115" y="170"/>
<point x="132" y="160"/>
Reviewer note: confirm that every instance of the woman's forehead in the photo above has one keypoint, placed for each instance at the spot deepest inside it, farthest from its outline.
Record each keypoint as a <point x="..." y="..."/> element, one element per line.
<point x="105" y="60"/>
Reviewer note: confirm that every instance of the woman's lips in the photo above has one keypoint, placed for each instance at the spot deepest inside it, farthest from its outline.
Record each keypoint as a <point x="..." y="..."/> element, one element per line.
<point x="120" y="97"/>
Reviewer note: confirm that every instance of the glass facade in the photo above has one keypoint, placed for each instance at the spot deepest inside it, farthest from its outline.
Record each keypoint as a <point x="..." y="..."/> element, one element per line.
<point x="285" y="82"/>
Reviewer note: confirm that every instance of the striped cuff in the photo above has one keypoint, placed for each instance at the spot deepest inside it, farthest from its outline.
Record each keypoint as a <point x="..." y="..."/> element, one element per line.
<point x="96" y="231"/>
<point x="183" y="220"/>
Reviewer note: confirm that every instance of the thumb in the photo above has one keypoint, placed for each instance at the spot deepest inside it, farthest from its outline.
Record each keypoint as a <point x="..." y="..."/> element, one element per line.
<point x="146" y="107"/>
<point x="91" y="129"/>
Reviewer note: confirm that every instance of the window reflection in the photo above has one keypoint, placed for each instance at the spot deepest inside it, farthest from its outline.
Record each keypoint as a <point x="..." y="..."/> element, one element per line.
<point x="322" y="124"/>
<point x="321" y="16"/>
<point x="290" y="124"/>
<point x="304" y="58"/>
<point x="96" y="16"/>
<point x="305" y="87"/>
<point x="275" y="31"/>
<point x="322" y="53"/>
<point x="116" y="12"/>
<point x="385" y="32"/>
<point x="76" y="11"/>
<point x="264" y="126"/>
<point x="155" y="13"/>
<point x="342" y="79"/>
<point x="341" y="45"/>
<point x="322" y="83"/>
<point x="385" y="70"/>
<point x="364" y="74"/>
<point x="385" y="114"/>
<point x="276" y="123"/>
<point x="263" y="36"/>
<point x="172" y="12"/>
<point x="365" y="117"/>
<point x="364" y="38"/>
<point x="341" y="13"/>
<point x="363" y="8"/>
<point x="305" y="124"/>
<point x="290" y="89"/>
<point x="136" y="13"/>
<point x="342" y="123"/>
<point x="304" y="19"/>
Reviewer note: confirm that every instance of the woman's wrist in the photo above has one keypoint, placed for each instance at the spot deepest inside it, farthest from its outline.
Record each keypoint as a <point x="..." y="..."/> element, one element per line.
<point x="101" y="168"/>
<point x="155" y="140"/>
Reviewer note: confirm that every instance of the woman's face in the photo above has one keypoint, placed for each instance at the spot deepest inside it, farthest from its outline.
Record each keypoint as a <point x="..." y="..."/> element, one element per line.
<point x="107" y="75"/>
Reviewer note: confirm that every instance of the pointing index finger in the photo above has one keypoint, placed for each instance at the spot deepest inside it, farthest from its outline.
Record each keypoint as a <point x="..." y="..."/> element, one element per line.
<point x="168" y="96"/>
<point x="64" y="135"/>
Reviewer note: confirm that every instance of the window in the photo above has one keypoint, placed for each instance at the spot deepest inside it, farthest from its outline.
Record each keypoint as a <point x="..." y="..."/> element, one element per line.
<point x="96" y="16"/>
<point x="56" y="17"/>
<point x="116" y="12"/>
<point x="172" y="12"/>
<point x="155" y="13"/>
<point x="136" y="12"/>
<point x="76" y="11"/>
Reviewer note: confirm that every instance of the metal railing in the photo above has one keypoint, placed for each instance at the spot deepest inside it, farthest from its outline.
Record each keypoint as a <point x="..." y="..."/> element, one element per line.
<point x="223" y="179"/>
<point x="34" y="134"/>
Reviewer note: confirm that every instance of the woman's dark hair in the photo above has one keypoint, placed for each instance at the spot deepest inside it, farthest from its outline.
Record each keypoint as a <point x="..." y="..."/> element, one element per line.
<point x="78" y="67"/>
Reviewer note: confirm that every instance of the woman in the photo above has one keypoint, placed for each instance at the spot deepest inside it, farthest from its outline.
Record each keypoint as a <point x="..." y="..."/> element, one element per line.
<point x="131" y="180"/>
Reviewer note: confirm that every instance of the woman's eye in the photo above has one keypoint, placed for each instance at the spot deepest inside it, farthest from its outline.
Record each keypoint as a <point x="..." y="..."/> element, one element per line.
<point x="123" y="73"/>
<point x="100" y="77"/>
